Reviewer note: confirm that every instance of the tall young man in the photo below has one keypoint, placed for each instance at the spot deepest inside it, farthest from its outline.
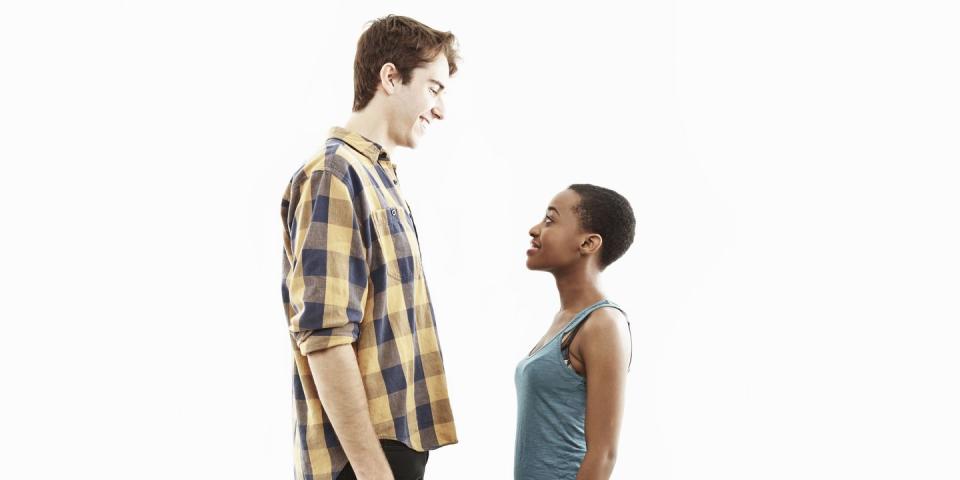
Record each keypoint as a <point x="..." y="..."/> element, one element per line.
<point x="369" y="386"/>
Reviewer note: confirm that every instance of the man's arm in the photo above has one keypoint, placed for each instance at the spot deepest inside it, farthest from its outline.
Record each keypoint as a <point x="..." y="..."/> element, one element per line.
<point x="328" y="290"/>
<point x="605" y="349"/>
<point x="337" y="376"/>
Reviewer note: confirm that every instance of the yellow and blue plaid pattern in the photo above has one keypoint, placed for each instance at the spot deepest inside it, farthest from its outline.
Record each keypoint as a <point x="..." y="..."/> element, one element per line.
<point x="352" y="274"/>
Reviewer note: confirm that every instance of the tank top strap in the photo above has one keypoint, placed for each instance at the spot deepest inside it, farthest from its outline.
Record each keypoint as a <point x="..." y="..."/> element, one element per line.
<point x="580" y="317"/>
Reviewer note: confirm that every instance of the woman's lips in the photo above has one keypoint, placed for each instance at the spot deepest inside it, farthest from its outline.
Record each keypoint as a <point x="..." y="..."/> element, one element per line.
<point x="534" y="248"/>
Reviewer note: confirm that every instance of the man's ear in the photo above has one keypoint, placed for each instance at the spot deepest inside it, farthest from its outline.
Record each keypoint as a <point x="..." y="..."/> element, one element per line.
<point x="591" y="244"/>
<point x="389" y="77"/>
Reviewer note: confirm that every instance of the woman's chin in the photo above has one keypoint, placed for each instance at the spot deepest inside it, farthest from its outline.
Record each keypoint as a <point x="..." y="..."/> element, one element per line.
<point x="531" y="265"/>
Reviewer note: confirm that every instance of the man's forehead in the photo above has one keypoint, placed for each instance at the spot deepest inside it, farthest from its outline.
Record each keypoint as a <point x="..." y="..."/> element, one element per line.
<point x="437" y="69"/>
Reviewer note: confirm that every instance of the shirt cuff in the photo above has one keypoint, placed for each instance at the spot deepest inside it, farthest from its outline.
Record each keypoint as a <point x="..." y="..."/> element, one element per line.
<point x="316" y="340"/>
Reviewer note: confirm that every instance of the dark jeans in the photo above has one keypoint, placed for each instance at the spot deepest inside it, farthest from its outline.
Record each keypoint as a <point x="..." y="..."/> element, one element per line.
<point x="406" y="463"/>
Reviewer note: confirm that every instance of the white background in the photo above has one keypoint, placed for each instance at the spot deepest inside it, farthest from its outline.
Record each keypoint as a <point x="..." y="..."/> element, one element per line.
<point x="793" y="167"/>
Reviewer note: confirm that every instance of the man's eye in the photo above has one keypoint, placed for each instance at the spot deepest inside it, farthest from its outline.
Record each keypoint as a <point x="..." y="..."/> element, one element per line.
<point x="547" y="220"/>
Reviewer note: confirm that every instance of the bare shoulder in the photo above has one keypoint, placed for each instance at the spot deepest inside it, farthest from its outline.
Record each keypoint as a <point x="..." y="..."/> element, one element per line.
<point x="607" y="323"/>
<point x="606" y="332"/>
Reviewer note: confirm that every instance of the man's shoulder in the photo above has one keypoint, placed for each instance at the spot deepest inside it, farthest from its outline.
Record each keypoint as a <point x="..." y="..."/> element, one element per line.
<point x="337" y="158"/>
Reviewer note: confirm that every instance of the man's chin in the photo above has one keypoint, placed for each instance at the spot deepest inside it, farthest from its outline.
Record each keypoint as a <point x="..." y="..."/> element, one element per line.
<point x="413" y="141"/>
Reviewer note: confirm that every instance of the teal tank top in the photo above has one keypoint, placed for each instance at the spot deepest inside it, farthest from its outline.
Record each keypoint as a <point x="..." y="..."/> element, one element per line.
<point x="551" y="406"/>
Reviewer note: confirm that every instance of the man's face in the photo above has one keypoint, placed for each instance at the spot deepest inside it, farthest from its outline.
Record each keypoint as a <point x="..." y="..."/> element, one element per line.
<point x="419" y="103"/>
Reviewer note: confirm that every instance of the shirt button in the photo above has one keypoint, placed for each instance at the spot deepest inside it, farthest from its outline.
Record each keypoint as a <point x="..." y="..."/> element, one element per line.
<point x="393" y="211"/>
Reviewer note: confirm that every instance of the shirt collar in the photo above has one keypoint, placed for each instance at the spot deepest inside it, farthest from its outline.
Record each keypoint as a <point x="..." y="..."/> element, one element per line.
<point x="370" y="149"/>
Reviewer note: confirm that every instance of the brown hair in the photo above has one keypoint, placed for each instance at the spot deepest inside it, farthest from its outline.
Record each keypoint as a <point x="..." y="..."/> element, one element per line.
<point x="402" y="41"/>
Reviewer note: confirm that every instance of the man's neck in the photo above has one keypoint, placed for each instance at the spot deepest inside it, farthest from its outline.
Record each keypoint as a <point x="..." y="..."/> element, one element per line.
<point x="371" y="126"/>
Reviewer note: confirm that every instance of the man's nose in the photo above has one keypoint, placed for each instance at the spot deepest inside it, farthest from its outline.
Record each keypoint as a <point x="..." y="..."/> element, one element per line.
<point x="438" y="109"/>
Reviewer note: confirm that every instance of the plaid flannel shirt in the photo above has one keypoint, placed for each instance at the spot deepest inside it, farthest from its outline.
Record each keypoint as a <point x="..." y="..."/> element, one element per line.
<point x="352" y="274"/>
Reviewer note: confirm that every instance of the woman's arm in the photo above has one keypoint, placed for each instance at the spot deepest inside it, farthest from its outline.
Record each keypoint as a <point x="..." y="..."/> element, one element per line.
<point x="604" y="346"/>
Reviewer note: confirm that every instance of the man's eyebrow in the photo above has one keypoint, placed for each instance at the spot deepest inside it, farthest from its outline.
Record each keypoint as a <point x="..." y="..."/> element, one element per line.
<point x="442" y="86"/>
<point x="555" y="210"/>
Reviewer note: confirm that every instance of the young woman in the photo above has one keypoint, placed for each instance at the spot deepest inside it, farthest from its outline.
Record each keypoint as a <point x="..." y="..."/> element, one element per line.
<point x="570" y="388"/>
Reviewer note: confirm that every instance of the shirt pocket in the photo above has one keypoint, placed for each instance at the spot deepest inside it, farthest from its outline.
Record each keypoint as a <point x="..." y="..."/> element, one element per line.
<point x="398" y="244"/>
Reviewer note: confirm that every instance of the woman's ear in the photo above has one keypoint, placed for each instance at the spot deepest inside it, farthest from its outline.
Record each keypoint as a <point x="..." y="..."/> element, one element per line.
<point x="591" y="244"/>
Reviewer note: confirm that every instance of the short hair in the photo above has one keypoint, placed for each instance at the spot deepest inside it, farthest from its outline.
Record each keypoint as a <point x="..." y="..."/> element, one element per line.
<point x="608" y="214"/>
<point x="403" y="41"/>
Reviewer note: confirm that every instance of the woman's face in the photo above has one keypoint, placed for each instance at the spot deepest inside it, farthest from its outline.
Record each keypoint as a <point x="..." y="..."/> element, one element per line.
<point x="557" y="239"/>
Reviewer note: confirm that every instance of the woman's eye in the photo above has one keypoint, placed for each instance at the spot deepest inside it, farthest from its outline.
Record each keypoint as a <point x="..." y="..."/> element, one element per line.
<point x="435" y="92"/>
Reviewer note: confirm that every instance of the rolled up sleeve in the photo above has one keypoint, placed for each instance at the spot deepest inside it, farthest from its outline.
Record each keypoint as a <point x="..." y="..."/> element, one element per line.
<point x="326" y="284"/>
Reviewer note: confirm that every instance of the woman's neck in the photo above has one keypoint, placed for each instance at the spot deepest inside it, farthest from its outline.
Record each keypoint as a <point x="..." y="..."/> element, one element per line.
<point x="578" y="289"/>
